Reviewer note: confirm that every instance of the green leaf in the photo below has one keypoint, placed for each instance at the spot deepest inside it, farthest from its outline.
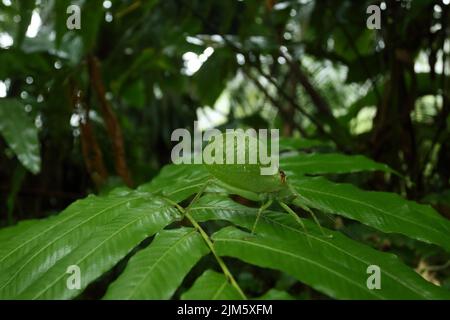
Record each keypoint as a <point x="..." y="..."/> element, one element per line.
<point x="338" y="280"/>
<point x="301" y="143"/>
<point x="94" y="234"/>
<point x="316" y="163"/>
<point x="60" y="12"/>
<point x="177" y="182"/>
<point x="21" y="64"/>
<point x="26" y="12"/>
<point x="20" y="133"/>
<point x="211" y="79"/>
<point x="384" y="211"/>
<point x="369" y="99"/>
<point x="274" y="294"/>
<point x="336" y="266"/>
<point x="91" y="19"/>
<point x="156" y="271"/>
<point x="211" y="286"/>
<point x="21" y="227"/>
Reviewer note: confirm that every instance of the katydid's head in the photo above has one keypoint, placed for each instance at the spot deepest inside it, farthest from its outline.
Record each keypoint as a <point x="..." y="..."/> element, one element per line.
<point x="282" y="176"/>
<point x="242" y="161"/>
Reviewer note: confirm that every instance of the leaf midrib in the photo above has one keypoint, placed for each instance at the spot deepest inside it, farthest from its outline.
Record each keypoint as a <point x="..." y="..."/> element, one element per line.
<point x="61" y="236"/>
<point x="158" y="260"/>
<point x="94" y="249"/>
<point x="220" y="290"/>
<point x="300" y="258"/>
<point x="373" y="207"/>
<point x="317" y="239"/>
<point x="185" y="188"/>
<point x="57" y="224"/>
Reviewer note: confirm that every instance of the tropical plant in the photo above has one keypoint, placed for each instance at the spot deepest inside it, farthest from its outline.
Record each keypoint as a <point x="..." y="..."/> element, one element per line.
<point x="153" y="237"/>
<point x="86" y="117"/>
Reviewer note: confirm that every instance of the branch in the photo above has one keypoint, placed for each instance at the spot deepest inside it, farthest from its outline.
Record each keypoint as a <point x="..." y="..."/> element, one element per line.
<point x="316" y="98"/>
<point x="112" y="124"/>
<point x="286" y="117"/>
<point x="92" y="154"/>
<point x="280" y="90"/>
<point x="361" y="60"/>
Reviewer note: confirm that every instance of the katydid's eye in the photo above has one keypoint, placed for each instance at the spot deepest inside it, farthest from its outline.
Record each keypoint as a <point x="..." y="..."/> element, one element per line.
<point x="282" y="176"/>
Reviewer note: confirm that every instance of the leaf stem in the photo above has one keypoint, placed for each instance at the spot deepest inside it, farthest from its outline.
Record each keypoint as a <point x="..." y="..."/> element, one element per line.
<point x="225" y="270"/>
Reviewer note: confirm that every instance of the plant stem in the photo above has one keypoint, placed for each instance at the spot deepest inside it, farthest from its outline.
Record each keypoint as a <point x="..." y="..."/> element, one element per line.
<point x="222" y="264"/>
<point x="225" y="270"/>
<point x="197" y="196"/>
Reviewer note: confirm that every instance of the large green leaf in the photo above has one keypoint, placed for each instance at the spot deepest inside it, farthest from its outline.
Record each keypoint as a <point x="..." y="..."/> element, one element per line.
<point x="387" y="212"/>
<point x="20" y="133"/>
<point x="21" y="227"/>
<point x="93" y="234"/>
<point x="336" y="266"/>
<point x="317" y="163"/>
<point x="177" y="182"/>
<point x="211" y="286"/>
<point x="157" y="271"/>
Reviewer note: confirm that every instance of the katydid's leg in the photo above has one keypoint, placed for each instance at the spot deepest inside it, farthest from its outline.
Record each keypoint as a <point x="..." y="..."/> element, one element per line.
<point x="293" y="214"/>
<point x="315" y="219"/>
<point x="307" y="209"/>
<point x="260" y="211"/>
<point x="296" y="217"/>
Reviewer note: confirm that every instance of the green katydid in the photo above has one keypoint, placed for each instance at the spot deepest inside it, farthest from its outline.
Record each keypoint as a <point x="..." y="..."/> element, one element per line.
<point x="245" y="178"/>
